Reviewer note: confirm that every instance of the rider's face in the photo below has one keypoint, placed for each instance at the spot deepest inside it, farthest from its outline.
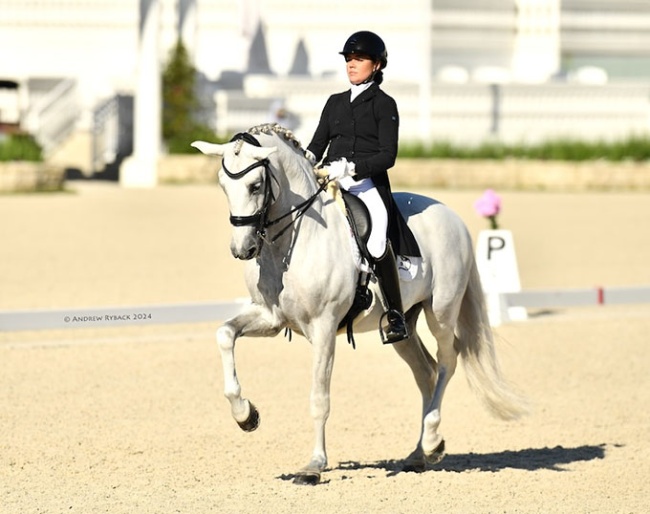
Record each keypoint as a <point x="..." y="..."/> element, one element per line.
<point x="359" y="67"/>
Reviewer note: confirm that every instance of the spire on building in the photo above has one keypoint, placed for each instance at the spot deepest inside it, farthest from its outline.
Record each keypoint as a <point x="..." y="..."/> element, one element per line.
<point x="300" y="64"/>
<point x="258" y="59"/>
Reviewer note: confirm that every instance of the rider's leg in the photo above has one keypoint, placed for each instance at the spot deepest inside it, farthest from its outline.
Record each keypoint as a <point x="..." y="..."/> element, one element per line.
<point x="365" y="190"/>
<point x="384" y="264"/>
<point x="388" y="280"/>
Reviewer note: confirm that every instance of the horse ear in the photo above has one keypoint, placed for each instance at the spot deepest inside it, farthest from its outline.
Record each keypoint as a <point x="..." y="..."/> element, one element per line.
<point x="209" y="148"/>
<point x="262" y="152"/>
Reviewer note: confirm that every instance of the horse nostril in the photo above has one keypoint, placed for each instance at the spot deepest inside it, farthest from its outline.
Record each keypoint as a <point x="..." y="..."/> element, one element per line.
<point x="247" y="255"/>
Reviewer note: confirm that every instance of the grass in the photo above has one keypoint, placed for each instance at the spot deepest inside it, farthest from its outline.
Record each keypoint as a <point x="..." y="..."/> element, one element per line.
<point x="632" y="149"/>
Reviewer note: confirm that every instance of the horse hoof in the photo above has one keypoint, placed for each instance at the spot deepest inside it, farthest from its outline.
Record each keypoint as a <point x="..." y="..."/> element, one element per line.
<point x="307" y="478"/>
<point x="414" y="466"/>
<point x="252" y="422"/>
<point x="436" y="455"/>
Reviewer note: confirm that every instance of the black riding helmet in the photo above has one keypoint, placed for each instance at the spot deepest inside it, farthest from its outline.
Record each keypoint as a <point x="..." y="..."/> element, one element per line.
<point x="367" y="43"/>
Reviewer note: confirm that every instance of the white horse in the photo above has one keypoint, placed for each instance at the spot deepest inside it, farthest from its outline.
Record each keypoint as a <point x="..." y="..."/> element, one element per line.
<point x="302" y="276"/>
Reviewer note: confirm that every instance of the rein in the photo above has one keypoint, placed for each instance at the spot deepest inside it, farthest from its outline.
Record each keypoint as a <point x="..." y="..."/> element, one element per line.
<point x="260" y="218"/>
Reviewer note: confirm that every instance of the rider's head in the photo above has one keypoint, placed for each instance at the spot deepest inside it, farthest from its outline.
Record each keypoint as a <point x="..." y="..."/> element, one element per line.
<point x="366" y="55"/>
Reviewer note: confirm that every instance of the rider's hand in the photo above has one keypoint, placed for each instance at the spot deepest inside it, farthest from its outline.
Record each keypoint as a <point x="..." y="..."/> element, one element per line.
<point x="338" y="169"/>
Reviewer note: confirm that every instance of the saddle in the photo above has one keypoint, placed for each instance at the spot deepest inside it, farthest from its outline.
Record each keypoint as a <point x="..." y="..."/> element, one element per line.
<point x="359" y="220"/>
<point x="360" y="224"/>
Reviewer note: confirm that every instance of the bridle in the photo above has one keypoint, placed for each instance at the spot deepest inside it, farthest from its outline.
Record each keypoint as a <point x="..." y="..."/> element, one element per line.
<point x="260" y="220"/>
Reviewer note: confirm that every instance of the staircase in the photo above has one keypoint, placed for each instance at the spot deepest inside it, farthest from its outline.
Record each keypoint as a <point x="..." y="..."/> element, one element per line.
<point x="53" y="111"/>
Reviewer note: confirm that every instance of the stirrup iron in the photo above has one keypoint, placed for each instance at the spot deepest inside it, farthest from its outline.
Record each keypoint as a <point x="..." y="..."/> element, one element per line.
<point x="390" y="334"/>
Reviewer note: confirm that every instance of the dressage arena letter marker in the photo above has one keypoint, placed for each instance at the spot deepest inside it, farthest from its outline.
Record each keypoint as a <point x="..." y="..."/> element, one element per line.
<point x="497" y="265"/>
<point x="494" y="243"/>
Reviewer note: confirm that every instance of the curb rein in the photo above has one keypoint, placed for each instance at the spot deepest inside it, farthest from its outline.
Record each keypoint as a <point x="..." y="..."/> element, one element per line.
<point x="260" y="219"/>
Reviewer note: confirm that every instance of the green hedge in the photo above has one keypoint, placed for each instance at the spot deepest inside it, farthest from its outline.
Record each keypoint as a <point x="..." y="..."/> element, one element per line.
<point x="20" y="147"/>
<point x="631" y="149"/>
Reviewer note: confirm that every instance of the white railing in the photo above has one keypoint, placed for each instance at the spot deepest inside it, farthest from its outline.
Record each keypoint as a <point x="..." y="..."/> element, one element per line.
<point x="467" y="114"/>
<point x="592" y="113"/>
<point x="105" y="134"/>
<point x="237" y="112"/>
<point x="53" y="115"/>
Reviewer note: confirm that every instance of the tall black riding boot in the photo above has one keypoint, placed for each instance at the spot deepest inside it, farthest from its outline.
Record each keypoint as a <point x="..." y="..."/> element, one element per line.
<point x="388" y="280"/>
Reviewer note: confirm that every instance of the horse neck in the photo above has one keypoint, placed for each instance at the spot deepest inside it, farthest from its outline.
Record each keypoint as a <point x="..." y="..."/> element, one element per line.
<point x="295" y="184"/>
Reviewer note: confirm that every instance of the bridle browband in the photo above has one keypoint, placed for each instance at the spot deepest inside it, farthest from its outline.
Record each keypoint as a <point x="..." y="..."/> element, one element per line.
<point x="260" y="218"/>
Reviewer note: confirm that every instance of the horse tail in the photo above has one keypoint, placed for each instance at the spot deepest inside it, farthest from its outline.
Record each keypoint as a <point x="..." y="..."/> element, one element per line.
<point x="474" y="340"/>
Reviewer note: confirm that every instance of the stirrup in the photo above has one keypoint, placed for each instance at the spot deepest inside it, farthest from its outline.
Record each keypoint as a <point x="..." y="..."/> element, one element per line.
<point x="393" y="334"/>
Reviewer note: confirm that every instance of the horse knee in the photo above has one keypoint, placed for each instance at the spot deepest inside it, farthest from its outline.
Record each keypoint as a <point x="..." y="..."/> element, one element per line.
<point x="225" y="337"/>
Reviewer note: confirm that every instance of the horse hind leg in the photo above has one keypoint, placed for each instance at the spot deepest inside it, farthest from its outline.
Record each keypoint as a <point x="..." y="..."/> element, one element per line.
<point x="424" y="369"/>
<point x="432" y="442"/>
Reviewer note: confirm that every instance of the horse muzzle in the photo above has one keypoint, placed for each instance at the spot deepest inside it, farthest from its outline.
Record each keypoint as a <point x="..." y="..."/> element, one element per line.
<point x="247" y="254"/>
<point x="246" y="248"/>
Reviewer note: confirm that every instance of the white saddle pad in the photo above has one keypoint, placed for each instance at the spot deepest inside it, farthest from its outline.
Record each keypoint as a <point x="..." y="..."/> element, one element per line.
<point x="408" y="267"/>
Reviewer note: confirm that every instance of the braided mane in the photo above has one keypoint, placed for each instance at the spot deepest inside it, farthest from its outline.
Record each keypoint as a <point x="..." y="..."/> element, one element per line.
<point x="321" y="174"/>
<point x="275" y="128"/>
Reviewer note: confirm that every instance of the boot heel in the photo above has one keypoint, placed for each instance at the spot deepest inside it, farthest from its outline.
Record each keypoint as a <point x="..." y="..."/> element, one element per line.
<point x="388" y="281"/>
<point x="396" y="329"/>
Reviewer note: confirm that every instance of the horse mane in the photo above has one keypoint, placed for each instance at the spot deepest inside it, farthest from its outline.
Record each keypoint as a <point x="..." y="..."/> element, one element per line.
<point x="275" y="128"/>
<point x="320" y="175"/>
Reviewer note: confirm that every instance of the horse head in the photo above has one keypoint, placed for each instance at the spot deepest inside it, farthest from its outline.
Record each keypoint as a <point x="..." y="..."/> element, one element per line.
<point x="246" y="180"/>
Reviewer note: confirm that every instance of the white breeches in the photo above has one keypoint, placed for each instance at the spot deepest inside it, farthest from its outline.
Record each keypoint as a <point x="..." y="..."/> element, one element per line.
<point x="366" y="191"/>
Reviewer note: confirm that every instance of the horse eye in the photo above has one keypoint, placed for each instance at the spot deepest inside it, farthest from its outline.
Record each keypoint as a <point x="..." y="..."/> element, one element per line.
<point x="255" y="187"/>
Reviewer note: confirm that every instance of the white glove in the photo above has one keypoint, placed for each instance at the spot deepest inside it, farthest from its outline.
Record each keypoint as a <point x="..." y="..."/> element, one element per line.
<point x="338" y="169"/>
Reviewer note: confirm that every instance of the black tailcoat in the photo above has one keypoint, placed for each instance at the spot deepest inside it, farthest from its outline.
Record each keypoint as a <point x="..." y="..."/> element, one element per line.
<point x="366" y="133"/>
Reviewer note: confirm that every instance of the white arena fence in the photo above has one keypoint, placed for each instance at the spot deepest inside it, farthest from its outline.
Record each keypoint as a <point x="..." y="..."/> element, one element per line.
<point x="217" y="311"/>
<point x="463" y="114"/>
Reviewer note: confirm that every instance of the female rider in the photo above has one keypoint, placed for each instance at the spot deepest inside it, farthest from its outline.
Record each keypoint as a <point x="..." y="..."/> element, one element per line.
<point x="359" y="129"/>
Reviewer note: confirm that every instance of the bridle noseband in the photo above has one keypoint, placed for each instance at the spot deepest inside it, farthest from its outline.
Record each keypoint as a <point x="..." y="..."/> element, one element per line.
<point x="260" y="220"/>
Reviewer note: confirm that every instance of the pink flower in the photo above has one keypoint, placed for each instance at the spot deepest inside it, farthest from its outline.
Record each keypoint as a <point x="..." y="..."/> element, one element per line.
<point x="488" y="206"/>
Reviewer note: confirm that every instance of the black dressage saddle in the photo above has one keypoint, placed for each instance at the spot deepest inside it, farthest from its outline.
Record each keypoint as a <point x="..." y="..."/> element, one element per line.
<point x="361" y="224"/>
<point x="360" y="221"/>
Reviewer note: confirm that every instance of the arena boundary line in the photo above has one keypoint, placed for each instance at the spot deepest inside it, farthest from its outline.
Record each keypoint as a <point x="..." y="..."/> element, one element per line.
<point x="43" y="319"/>
<point x="548" y="298"/>
<point x="73" y="317"/>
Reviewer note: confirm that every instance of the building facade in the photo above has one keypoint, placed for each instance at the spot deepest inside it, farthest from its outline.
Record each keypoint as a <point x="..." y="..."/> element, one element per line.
<point x="288" y="49"/>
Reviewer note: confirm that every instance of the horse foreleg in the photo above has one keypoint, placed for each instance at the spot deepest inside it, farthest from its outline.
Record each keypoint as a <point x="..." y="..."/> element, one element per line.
<point x="253" y="321"/>
<point x="323" y="362"/>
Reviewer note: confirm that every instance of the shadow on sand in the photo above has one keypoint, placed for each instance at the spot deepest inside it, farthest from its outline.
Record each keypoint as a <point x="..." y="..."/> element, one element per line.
<point x="531" y="459"/>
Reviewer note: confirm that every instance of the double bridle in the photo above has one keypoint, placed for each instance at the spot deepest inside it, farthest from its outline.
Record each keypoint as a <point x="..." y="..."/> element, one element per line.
<point x="260" y="220"/>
